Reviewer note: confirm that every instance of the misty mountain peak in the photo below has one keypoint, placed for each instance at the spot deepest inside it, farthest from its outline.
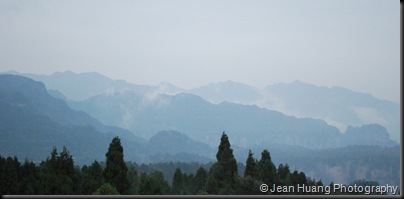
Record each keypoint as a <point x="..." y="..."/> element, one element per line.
<point x="369" y="134"/>
<point x="168" y="88"/>
<point x="227" y="91"/>
<point x="26" y="86"/>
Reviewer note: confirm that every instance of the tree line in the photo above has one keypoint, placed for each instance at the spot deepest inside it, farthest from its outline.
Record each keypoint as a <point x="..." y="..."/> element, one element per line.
<point x="57" y="175"/>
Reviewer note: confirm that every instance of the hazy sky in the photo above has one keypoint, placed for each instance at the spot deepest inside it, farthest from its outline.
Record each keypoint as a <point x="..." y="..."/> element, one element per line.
<point x="350" y="43"/>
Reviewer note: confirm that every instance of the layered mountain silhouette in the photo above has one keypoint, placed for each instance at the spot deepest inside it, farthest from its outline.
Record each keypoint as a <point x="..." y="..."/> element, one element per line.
<point x="248" y="125"/>
<point x="32" y="122"/>
<point x="34" y="119"/>
<point x="337" y="106"/>
<point x="228" y="91"/>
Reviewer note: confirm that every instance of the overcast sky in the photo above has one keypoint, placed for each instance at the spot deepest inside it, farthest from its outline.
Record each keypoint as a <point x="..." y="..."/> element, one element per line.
<point x="349" y="43"/>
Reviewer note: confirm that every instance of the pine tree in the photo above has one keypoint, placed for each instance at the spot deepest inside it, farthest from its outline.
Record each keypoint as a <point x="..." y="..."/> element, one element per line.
<point x="200" y="180"/>
<point x="267" y="169"/>
<point x="283" y="172"/>
<point x="92" y="178"/>
<point x="249" y="184"/>
<point x="116" y="169"/>
<point x="58" y="173"/>
<point x="30" y="177"/>
<point x="65" y="164"/>
<point x="223" y="176"/>
<point x="9" y="178"/>
<point x="251" y="166"/>
<point x="177" y="182"/>
<point x="65" y="172"/>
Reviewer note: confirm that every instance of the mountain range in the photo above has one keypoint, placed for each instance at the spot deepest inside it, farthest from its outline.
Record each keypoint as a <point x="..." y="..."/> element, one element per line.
<point x="32" y="122"/>
<point x="337" y="106"/>
<point x="248" y="125"/>
<point x="157" y="127"/>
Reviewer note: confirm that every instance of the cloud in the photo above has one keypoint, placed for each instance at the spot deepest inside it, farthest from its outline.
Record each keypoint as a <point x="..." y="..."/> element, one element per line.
<point x="369" y="115"/>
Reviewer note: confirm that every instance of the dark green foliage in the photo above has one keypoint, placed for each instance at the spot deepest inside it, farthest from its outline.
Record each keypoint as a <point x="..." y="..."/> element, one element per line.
<point x="9" y="177"/>
<point x="30" y="177"/>
<point x="168" y="168"/>
<point x="178" y="182"/>
<point x="249" y="186"/>
<point x="313" y="182"/>
<point x="251" y="166"/>
<point x="115" y="170"/>
<point x="57" y="175"/>
<point x="296" y="178"/>
<point x="2" y="163"/>
<point x="92" y="178"/>
<point x="250" y="182"/>
<point x="283" y="172"/>
<point x="106" y="189"/>
<point x="64" y="164"/>
<point x="146" y="187"/>
<point x="212" y="183"/>
<point x="301" y="178"/>
<point x="158" y="180"/>
<point x="188" y="184"/>
<point x="223" y="176"/>
<point x="267" y="169"/>
<point x="58" y="172"/>
<point x="133" y="179"/>
<point x="153" y="184"/>
<point x="200" y="181"/>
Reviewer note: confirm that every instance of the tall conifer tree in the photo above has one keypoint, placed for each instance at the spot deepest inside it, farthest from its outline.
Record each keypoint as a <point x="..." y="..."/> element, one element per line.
<point x="267" y="169"/>
<point x="115" y="170"/>
<point x="177" y="182"/>
<point x="223" y="176"/>
<point x="251" y="166"/>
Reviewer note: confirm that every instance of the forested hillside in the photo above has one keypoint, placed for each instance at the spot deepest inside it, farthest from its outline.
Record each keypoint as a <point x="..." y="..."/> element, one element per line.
<point x="58" y="175"/>
<point x="152" y="97"/>
<point x="32" y="122"/>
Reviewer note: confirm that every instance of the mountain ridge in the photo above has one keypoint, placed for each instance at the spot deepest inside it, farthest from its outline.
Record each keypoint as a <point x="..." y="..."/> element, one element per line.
<point x="199" y="119"/>
<point x="27" y="132"/>
<point x="336" y="105"/>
